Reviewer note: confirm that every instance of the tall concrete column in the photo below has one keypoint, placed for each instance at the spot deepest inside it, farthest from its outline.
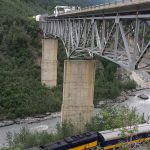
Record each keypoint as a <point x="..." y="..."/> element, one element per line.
<point x="49" y="62"/>
<point x="78" y="91"/>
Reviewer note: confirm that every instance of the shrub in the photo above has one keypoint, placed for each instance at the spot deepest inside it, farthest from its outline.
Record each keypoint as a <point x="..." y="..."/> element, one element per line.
<point x="28" y="139"/>
<point x="128" y="85"/>
<point x="111" y="118"/>
<point x="106" y="84"/>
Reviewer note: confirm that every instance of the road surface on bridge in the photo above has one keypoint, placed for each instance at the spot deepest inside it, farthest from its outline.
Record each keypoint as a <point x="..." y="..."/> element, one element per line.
<point x="121" y="6"/>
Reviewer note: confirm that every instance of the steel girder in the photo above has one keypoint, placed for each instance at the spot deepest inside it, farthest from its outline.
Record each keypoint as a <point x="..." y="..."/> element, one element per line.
<point x="124" y="39"/>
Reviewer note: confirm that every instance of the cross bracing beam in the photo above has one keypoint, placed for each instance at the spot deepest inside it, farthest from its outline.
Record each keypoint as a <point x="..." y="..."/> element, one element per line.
<point x="123" y="39"/>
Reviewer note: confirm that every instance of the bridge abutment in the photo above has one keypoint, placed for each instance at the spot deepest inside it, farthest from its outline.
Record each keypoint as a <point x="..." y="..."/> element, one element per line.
<point x="78" y="91"/>
<point x="49" y="62"/>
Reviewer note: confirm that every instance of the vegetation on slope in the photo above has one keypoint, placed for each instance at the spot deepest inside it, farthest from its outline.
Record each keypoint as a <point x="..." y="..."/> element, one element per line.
<point x="107" y="86"/>
<point x="21" y="92"/>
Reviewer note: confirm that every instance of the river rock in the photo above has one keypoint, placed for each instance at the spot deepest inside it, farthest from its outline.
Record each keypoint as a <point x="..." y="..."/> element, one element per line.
<point x="100" y="104"/>
<point x="143" y="96"/>
<point x="40" y="116"/>
<point x="6" y="123"/>
<point x="28" y="120"/>
<point x="48" y="113"/>
<point x="121" y="99"/>
<point x="134" y="90"/>
<point x="131" y="94"/>
<point x="124" y="95"/>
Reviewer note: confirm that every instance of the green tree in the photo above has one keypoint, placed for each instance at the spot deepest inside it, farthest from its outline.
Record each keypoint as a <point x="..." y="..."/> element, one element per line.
<point x="116" y="117"/>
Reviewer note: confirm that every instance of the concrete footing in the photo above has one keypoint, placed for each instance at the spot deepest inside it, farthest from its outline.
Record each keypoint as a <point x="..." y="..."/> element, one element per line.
<point x="78" y="91"/>
<point x="49" y="62"/>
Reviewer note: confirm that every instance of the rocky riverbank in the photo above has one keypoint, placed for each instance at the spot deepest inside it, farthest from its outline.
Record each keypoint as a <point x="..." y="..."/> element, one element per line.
<point x="124" y="96"/>
<point x="30" y="120"/>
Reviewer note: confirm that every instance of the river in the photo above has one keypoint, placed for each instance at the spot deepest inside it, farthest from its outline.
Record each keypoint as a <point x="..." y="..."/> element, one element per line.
<point x="142" y="106"/>
<point x="47" y="125"/>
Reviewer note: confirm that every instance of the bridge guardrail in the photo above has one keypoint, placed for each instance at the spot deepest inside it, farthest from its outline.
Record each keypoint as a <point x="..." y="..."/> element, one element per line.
<point x="113" y="2"/>
<point x="109" y="3"/>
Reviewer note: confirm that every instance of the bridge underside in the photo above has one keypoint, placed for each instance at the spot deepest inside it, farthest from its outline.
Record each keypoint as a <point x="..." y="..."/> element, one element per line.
<point x="124" y="40"/>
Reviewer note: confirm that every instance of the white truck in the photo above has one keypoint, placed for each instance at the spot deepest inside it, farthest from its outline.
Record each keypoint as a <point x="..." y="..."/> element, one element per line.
<point x="63" y="9"/>
<point x="39" y="18"/>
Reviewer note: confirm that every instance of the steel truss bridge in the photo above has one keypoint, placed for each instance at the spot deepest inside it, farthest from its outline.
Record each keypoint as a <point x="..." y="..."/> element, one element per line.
<point x="119" y="32"/>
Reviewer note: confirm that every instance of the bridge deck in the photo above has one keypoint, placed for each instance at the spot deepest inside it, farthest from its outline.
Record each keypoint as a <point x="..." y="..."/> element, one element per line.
<point x="124" y="6"/>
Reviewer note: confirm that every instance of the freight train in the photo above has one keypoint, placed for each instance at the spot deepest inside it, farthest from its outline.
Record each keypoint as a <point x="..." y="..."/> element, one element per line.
<point x="104" y="140"/>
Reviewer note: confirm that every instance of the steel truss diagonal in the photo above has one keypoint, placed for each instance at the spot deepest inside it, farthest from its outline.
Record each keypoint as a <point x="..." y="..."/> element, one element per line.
<point x="123" y="39"/>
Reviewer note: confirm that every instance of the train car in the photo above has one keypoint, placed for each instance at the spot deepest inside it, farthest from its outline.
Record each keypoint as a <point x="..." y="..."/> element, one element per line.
<point x="104" y="140"/>
<point x="129" y="135"/>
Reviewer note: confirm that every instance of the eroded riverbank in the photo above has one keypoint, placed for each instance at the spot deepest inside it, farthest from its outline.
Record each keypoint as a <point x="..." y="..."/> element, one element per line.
<point x="46" y="125"/>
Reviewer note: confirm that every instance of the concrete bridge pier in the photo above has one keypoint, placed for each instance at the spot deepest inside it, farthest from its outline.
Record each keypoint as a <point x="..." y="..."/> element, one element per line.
<point x="49" y="62"/>
<point x="78" y="91"/>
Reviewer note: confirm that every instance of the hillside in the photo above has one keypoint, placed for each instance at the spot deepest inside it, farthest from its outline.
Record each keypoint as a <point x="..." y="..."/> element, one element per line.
<point x="21" y="92"/>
